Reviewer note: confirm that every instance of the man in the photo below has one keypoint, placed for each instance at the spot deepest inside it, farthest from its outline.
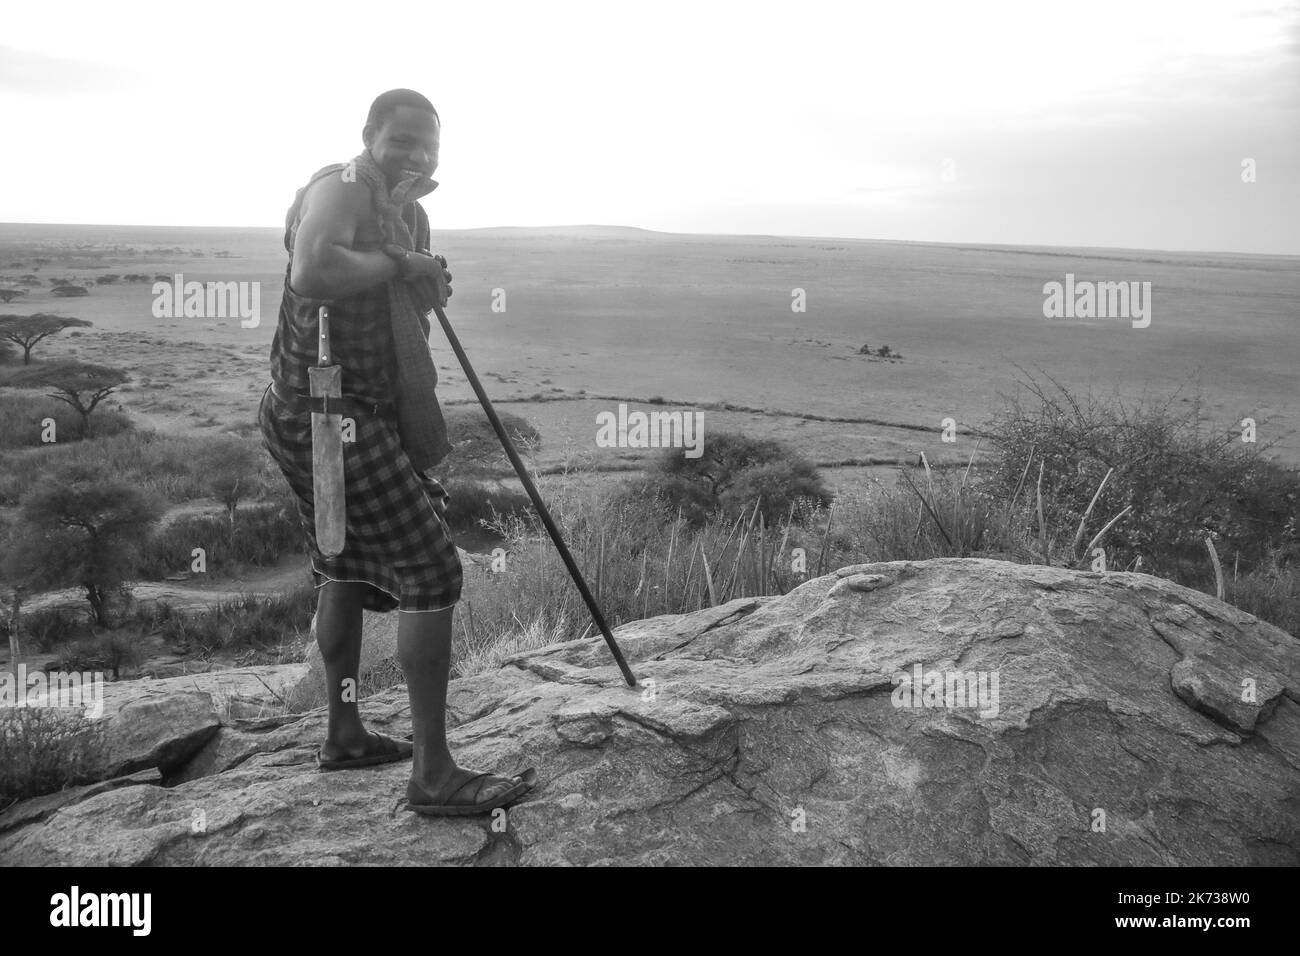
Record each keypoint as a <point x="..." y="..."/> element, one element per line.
<point x="358" y="243"/>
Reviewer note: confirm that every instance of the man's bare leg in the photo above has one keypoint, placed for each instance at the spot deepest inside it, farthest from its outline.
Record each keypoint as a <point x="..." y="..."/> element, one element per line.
<point x="424" y="651"/>
<point x="338" y="634"/>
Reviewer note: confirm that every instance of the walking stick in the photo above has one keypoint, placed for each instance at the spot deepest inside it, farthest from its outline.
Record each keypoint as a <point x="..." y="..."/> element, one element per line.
<point x="527" y="482"/>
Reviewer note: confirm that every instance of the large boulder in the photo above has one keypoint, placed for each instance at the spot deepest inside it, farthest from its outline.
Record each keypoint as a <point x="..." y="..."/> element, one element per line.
<point x="162" y="724"/>
<point x="1114" y="719"/>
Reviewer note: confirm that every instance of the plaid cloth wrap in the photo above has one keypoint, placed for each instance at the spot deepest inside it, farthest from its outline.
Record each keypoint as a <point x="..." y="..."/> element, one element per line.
<point x="397" y="540"/>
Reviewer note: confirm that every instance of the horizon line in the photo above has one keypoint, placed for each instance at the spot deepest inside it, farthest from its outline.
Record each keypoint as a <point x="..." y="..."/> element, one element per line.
<point x="735" y="235"/>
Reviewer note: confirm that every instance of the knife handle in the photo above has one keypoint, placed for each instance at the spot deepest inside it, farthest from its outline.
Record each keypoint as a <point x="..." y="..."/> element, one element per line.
<point x="323" y="355"/>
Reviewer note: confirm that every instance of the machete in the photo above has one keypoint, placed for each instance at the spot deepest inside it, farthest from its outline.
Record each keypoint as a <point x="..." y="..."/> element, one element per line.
<point x="328" y="496"/>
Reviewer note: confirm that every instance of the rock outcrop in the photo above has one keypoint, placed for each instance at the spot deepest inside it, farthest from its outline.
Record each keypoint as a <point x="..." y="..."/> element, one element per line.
<point x="937" y="712"/>
<point x="161" y="724"/>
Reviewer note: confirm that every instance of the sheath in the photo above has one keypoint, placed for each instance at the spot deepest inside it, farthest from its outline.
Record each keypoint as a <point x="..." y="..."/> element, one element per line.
<point x="398" y="542"/>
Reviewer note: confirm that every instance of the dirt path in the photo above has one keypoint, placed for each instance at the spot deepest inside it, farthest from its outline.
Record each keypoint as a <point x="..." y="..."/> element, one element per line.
<point x="194" y="594"/>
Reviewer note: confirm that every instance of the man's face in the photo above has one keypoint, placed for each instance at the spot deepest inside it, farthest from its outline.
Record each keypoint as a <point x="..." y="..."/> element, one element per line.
<point x="406" y="144"/>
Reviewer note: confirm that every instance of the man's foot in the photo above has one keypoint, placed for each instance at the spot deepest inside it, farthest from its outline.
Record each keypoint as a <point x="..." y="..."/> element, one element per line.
<point x="468" y="792"/>
<point x="373" y="750"/>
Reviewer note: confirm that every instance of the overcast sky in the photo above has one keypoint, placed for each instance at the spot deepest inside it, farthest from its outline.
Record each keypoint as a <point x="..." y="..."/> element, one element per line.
<point x="1082" y="123"/>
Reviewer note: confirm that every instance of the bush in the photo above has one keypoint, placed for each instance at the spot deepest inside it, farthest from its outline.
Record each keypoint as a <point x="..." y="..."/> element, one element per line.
<point x="21" y="414"/>
<point x="264" y="533"/>
<point x="252" y="621"/>
<point x="476" y="449"/>
<point x="1270" y="591"/>
<point x="44" y="749"/>
<point x="733" y="473"/>
<point x="471" y="503"/>
<point x="1182" y="481"/>
<point x="111" y="652"/>
<point x="775" y="485"/>
<point x="45" y="629"/>
<point x="161" y="466"/>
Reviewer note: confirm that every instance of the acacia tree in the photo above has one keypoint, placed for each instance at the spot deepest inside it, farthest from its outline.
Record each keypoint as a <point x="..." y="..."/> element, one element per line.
<point x="8" y="295"/>
<point x="28" y="330"/>
<point x="75" y="528"/>
<point x="229" y="469"/>
<point x="80" y="384"/>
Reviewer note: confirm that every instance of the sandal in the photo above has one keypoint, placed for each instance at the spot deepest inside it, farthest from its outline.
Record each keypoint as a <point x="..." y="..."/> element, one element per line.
<point x="524" y="781"/>
<point x="386" y="750"/>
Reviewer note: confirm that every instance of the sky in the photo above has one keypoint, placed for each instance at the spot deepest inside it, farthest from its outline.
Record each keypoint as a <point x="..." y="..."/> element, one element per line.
<point x="1130" y="124"/>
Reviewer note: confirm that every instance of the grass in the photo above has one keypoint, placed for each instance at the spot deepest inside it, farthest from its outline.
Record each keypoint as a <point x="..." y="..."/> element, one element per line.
<point x="46" y="629"/>
<point x="471" y="502"/>
<point x="269" y="626"/>
<point x="23" y="414"/>
<point x="44" y="749"/>
<point x="161" y="466"/>
<point x="263" y="624"/>
<point x="263" y="534"/>
<point x="637" y="560"/>
<point x="1271" y="592"/>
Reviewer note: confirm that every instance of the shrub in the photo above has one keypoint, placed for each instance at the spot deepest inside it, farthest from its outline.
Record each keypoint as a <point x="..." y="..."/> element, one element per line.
<point x="476" y="449"/>
<point x="21" y="415"/>
<point x="775" y="485"/>
<point x="1270" y="591"/>
<point x="111" y="652"/>
<point x="44" y="749"/>
<point x="733" y="473"/>
<point x="161" y="466"/>
<point x="471" y="503"/>
<point x="1182" y="480"/>
<point x="251" y="621"/>
<point x="45" y="629"/>
<point x="264" y="533"/>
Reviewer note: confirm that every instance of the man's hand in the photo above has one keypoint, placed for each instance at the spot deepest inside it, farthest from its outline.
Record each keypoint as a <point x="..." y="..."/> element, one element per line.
<point x="435" y="268"/>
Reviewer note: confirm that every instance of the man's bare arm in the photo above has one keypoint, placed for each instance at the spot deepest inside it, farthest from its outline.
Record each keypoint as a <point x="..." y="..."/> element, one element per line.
<point x="325" y="263"/>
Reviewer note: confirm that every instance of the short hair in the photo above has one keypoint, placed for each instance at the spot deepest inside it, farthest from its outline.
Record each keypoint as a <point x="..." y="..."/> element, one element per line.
<point x="386" y="104"/>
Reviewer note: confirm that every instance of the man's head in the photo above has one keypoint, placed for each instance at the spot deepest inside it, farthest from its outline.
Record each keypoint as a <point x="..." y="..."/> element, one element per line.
<point x="402" y="133"/>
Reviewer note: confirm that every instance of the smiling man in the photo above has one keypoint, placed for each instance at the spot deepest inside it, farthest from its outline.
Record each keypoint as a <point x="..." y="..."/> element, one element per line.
<point x="359" y="243"/>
